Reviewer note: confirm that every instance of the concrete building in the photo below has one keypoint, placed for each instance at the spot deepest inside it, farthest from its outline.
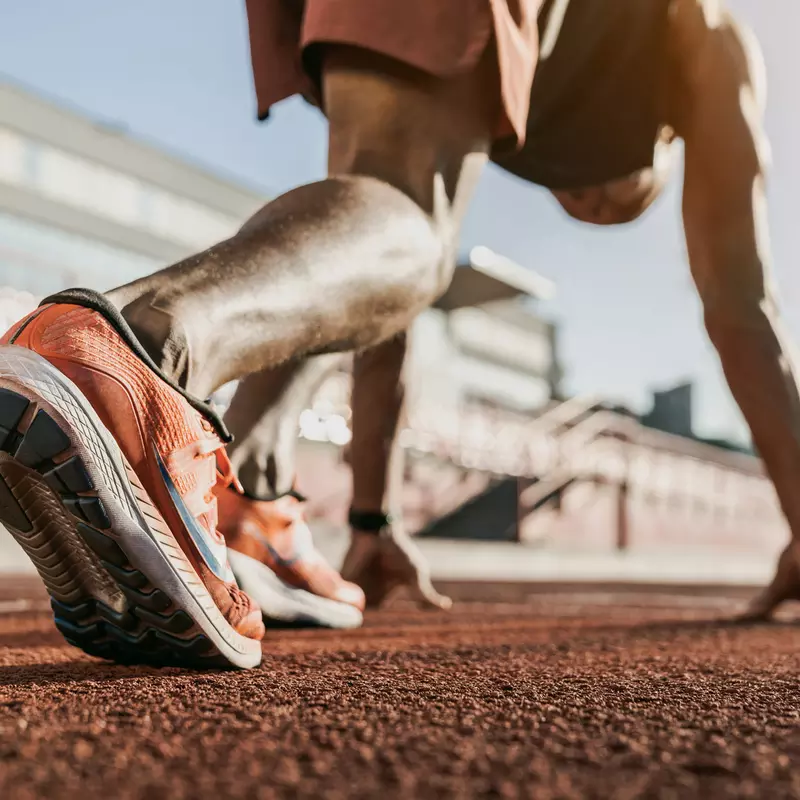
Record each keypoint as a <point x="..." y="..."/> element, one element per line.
<point x="492" y="345"/>
<point x="672" y="410"/>
<point x="81" y="202"/>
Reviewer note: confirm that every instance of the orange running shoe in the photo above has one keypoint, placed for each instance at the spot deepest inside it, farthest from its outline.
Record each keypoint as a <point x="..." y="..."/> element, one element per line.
<point x="274" y="559"/>
<point x="106" y="479"/>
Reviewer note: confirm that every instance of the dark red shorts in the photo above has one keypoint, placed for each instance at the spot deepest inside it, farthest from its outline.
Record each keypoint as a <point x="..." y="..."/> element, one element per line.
<point x="443" y="38"/>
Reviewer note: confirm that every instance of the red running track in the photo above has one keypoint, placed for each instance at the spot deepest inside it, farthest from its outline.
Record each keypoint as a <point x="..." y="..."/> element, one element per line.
<point x="541" y="692"/>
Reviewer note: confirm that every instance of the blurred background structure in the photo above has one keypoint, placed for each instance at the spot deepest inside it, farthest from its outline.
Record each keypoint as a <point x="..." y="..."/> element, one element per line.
<point x="83" y="204"/>
<point x="497" y="456"/>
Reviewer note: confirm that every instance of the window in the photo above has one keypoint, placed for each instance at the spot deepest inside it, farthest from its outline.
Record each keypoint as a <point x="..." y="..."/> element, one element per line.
<point x="109" y="194"/>
<point x="77" y="182"/>
<point x="40" y="259"/>
<point x="504" y="387"/>
<point x="184" y="221"/>
<point x="12" y="157"/>
<point x="479" y="332"/>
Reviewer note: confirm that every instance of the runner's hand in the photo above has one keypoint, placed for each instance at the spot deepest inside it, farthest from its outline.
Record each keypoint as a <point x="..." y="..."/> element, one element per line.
<point x="785" y="586"/>
<point x="382" y="563"/>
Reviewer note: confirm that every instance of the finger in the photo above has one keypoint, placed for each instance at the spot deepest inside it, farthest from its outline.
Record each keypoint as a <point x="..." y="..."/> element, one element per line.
<point x="784" y="586"/>
<point x="760" y="609"/>
<point x="427" y="595"/>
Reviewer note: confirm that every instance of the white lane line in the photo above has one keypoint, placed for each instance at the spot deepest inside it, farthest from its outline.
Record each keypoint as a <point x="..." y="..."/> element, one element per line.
<point x="15" y="606"/>
<point x="636" y="600"/>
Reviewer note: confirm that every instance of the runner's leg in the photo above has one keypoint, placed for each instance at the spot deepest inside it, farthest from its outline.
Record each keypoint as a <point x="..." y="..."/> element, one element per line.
<point x="344" y="263"/>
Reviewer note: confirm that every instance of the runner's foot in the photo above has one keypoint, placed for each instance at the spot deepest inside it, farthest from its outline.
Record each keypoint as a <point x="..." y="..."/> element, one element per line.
<point x="785" y="586"/>
<point x="106" y="478"/>
<point x="274" y="559"/>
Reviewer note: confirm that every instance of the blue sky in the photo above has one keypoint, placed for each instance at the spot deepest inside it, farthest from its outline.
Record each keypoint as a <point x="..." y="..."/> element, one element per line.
<point x="177" y="73"/>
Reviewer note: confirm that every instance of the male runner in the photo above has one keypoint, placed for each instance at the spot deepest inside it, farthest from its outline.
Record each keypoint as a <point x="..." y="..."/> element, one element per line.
<point x="615" y="84"/>
<point x="109" y="458"/>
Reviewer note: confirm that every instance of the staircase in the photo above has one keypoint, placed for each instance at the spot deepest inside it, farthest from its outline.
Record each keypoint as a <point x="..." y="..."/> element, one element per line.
<point x="585" y="477"/>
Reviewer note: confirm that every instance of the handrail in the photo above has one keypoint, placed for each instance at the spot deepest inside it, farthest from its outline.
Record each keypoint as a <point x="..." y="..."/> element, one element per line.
<point x="469" y="436"/>
<point x="533" y="497"/>
<point x="506" y="445"/>
<point x="569" y="443"/>
<point x="617" y="425"/>
<point x="570" y="411"/>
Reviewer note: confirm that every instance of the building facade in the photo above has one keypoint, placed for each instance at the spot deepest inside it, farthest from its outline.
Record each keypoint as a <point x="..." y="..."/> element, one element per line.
<point x="82" y="203"/>
<point x="500" y="354"/>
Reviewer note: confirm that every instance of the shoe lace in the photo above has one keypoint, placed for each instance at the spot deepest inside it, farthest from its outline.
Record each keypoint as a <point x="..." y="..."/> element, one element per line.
<point x="186" y="461"/>
<point x="225" y="473"/>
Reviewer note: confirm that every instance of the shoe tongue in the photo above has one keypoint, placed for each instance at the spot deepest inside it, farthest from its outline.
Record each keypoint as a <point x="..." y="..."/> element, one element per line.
<point x="226" y="477"/>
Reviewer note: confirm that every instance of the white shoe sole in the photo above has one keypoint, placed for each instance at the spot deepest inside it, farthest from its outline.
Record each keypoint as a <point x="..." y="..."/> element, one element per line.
<point x="285" y="603"/>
